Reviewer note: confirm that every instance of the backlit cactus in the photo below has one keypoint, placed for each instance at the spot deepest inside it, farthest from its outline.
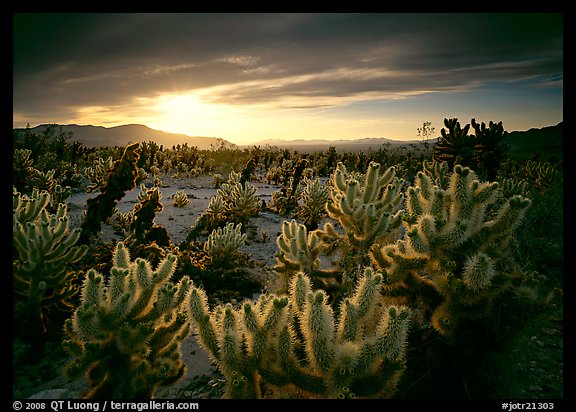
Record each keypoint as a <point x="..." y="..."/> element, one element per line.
<point x="180" y="199"/>
<point x="369" y="209"/>
<point x="451" y="263"/>
<point x="98" y="173"/>
<point x="313" y="200"/>
<point x="296" y="345"/>
<point x="300" y="251"/>
<point x="44" y="250"/>
<point x="126" y="333"/>
<point x="223" y="245"/>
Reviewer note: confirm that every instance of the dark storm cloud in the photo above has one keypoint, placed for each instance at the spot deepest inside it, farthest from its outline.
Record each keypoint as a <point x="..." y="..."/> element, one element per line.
<point x="65" y="61"/>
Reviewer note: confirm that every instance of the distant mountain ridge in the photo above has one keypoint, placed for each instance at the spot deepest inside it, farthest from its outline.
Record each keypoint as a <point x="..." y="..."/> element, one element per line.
<point x="544" y="142"/>
<point x="96" y="136"/>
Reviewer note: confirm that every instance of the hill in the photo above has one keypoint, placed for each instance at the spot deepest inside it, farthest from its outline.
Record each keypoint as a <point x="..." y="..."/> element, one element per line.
<point x="543" y="143"/>
<point x="96" y="136"/>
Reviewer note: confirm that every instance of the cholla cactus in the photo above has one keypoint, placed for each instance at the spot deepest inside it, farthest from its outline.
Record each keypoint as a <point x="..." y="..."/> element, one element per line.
<point x="122" y="221"/>
<point x="223" y="244"/>
<point x="438" y="172"/>
<point x="313" y="203"/>
<point x="143" y="227"/>
<point x="127" y="331"/>
<point x="58" y="195"/>
<point x="98" y="173"/>
<point x="121" y="177"/>
<point x="44" y="180"/>
<point x="296" y="343"/>
<point x="368" y="209"/>
<point x="299" y="251"/>
<point x="22" y="168"/>
<point x="180" y="199"/>
<point x="450" y="264"/>
<point x="44" y="249"/>
<point x="233" y="202"/>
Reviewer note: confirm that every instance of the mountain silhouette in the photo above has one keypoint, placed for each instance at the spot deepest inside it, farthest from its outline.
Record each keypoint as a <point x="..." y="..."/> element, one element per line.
<point x="97" y="136"/>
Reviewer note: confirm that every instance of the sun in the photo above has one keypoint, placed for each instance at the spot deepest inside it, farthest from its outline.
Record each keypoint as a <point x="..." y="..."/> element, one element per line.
<point x="186" y="113"/>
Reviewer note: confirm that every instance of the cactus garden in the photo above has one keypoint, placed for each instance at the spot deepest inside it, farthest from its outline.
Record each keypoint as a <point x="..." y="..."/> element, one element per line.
<point x="153" y="272"/>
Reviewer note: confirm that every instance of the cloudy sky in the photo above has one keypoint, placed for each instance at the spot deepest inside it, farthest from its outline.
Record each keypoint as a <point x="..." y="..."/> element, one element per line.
<point x="248" y="77"/>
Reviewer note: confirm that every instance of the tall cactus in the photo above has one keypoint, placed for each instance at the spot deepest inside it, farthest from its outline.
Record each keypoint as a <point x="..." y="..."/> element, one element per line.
<point x="313" y="198"/>
<point x="122" y="177"/>
<point x="455" y="146"/>
<point x="294" y="344"/>
<point x="490" y="148"/>
<point x="451" y="264"/>
<point x="126" y="333"/>
<point x="369" y="210"/>
<point x="44" y="250"/>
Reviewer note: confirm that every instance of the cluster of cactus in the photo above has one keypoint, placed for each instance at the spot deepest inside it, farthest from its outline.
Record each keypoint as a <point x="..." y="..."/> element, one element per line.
<point x="438" y="171"/>
<point x="240" y="201"/>
<point x="44" y="250"/>
<point x="451" y="263"/>
<point x="126" y="333"/>
<point x="223" y="245"/>
<point x="122" y="177"/>
<point x="455" y="146"/>
<point x="295" y="345"/>
<point x="367" y="207"/>
<point x="234" y="202"/>
<point x="97" y="174"/>
<point x="121" y="222"/>
<point x="490" y="148"/>
<point x="483" y="151"/>
<point x="180" y="199"/>
<point x="540" y="175"/>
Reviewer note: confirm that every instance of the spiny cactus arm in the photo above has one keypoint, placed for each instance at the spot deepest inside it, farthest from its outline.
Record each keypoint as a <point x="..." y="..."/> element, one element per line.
<point x="318" y="328"/>
<point x="357" y="310"/>
<point x="152" y="283"/>
<point x="29" y="208"/>
<point x="205" y="327"/>
<point x="509" y="216"/>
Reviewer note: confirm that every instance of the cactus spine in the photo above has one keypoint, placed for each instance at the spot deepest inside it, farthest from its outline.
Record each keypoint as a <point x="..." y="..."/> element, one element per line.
<point x="126" y="333"/>
<point x="296" y="343"/>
